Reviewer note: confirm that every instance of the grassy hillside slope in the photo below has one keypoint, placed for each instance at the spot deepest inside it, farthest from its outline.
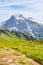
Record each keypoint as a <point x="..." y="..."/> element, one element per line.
<point x="32" y="49"/>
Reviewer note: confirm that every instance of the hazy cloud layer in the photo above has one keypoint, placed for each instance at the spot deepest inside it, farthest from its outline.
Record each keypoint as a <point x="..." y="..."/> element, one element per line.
<point x="29" y="8"/>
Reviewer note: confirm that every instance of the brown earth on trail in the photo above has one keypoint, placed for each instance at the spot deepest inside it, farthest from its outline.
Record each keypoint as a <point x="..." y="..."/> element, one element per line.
<point x="13" y="57"/>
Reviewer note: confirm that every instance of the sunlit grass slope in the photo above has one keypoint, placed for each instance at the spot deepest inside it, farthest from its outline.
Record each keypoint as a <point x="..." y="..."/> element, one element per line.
<point x="32" y="49"/>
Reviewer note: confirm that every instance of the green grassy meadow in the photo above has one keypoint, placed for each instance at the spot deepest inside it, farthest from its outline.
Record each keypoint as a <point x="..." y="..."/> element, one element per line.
<point x="32" y="49"/>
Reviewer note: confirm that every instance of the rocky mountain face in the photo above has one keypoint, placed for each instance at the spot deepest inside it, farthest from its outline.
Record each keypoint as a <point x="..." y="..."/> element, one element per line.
<point x="25" y="25"/>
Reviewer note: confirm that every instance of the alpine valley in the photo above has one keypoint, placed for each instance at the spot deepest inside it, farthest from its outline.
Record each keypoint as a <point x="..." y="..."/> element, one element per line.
<point x="21" y="41"/>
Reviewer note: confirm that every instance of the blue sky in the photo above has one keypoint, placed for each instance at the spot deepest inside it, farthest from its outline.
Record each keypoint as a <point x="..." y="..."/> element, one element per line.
<point x="28" y="8"/>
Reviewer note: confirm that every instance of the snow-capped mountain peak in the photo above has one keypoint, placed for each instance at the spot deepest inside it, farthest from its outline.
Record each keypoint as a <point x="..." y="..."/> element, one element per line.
<point x="19" y="16"/>
<point x="22" y="24"/>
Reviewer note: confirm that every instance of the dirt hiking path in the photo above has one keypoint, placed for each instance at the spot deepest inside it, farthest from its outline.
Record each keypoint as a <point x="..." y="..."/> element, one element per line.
<point x="12" y="57"/>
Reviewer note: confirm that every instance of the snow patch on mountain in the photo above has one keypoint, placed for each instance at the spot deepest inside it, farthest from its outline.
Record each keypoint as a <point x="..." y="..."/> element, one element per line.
<point x="35" y="20"/>
<point x="19" y="16"/>
<point x="13" y="28"/>
<point x="30" y="30"/>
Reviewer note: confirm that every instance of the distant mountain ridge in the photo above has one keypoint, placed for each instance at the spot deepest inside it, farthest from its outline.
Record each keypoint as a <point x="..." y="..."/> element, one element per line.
<point x="25" y="25"/>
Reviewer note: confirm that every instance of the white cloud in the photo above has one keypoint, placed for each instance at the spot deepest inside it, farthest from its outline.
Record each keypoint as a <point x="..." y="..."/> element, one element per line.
<point x="32" y="8"/>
